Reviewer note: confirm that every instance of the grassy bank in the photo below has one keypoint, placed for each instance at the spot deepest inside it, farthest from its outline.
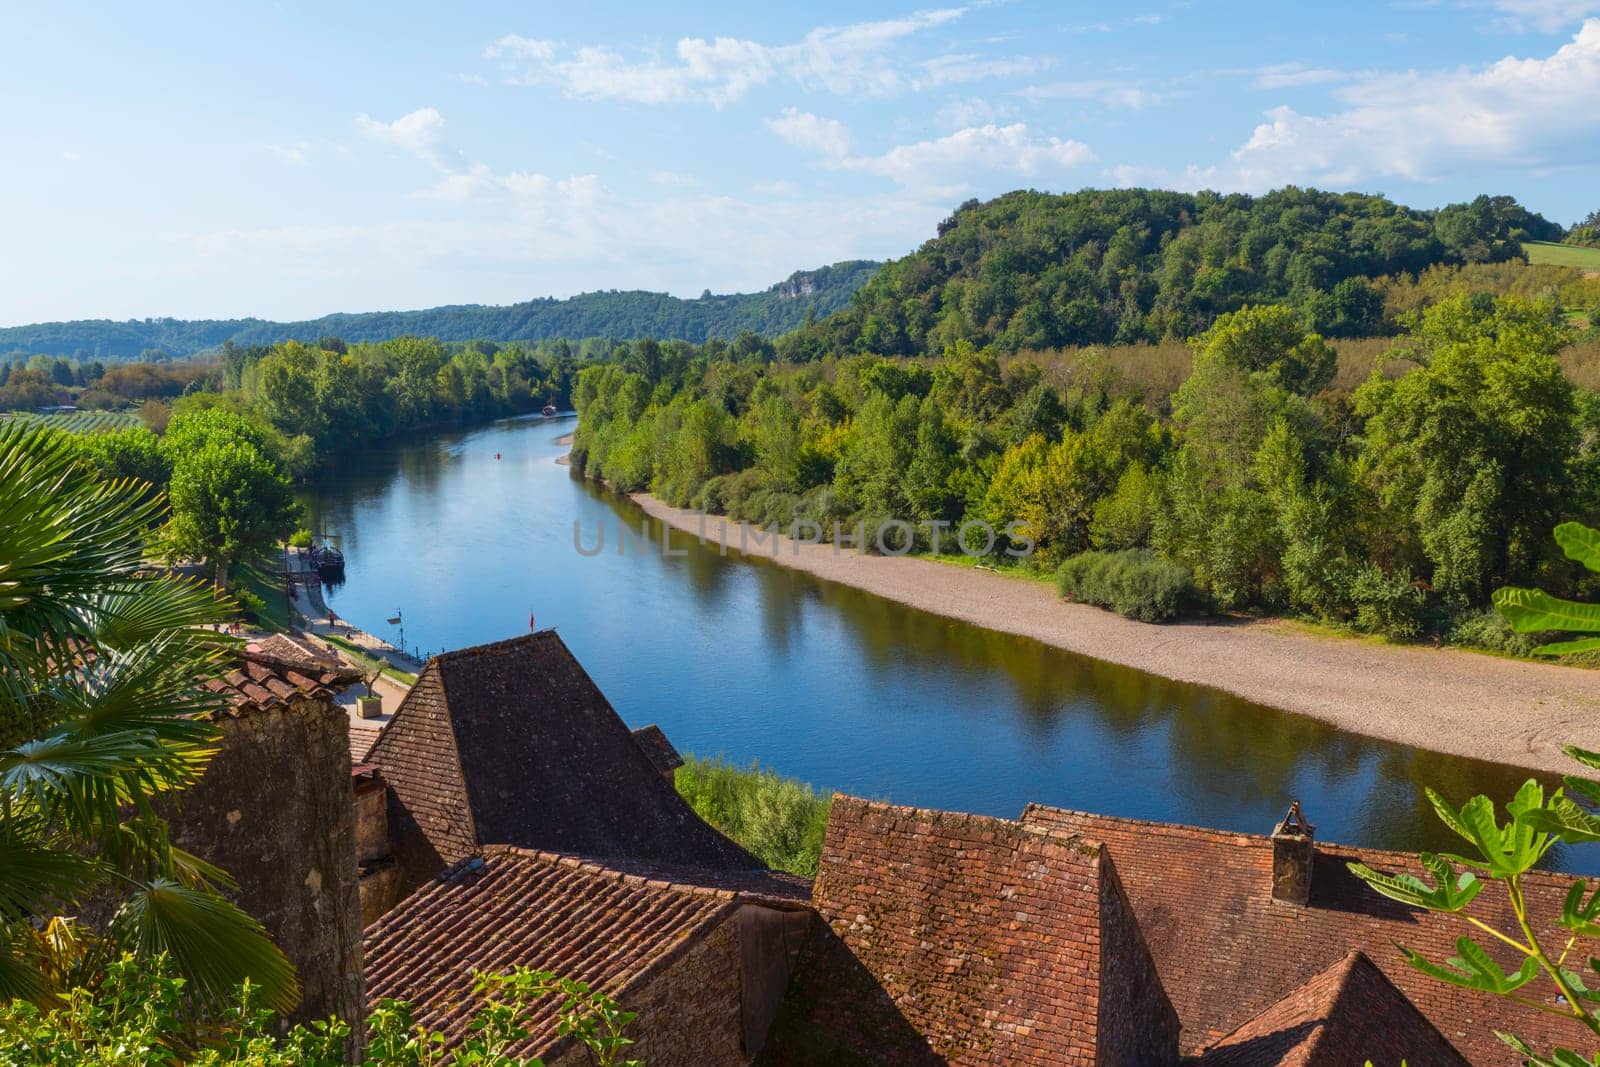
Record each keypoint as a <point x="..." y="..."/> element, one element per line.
<point x="361" y="657"/>
<point x="780" y="820"/>
<point x="268" y="587"/>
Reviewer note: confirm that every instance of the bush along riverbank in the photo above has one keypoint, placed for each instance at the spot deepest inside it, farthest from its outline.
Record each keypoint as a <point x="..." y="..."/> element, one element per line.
<point x="779" y="820"/>
<point x="1392" y="507"/>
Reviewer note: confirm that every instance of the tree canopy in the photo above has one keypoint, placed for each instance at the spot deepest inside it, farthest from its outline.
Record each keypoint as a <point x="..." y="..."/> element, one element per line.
<point x="1031" y="270"/>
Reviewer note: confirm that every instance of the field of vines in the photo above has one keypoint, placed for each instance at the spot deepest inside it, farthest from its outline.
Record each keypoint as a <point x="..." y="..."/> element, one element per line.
<point x="78" y="421"/>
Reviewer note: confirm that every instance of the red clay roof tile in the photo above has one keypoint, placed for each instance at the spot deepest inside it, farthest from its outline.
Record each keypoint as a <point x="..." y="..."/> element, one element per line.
<point x="511" y="907"/>
<point x="965" y="939"/>
<point x="512" y="743"/>
<point x="1348" y="1014"/>
<point x="1227" y="952"/>
<point x="273" y="673"/>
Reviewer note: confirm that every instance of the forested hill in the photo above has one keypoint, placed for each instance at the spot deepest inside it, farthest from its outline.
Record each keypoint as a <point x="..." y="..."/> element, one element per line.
<point x="1031" y="270"/>
<point x="621" y="315"/>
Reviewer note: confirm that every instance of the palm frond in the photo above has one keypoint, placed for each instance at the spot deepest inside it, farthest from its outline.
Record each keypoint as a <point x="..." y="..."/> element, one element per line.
<point x="127" y="613"/>
<point x="35" y="875"/>
<point x="211" y="942"/>
<point x="20" y="976"/>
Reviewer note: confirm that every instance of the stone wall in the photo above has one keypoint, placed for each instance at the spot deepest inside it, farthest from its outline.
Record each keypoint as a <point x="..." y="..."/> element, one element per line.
<point x="689" y="1011"/>
<point x="380" y="875"/>
<point x="274" y="811"/>
<point x="1137" y="1025"/>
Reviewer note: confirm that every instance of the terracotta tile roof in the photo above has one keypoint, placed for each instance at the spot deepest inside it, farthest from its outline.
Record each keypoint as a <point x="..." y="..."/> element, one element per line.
<point x="514" y="907"/>
<point x="658" y="748"/>
<point x="512" y="743"/>
<point x="284" y="647"/>
<point x="363" y="735"/>
<point x="1227" y="952"/>
<point x="1349" y="1014"/>
<point x="965" y="939"/>
<point x="269" y="674"/>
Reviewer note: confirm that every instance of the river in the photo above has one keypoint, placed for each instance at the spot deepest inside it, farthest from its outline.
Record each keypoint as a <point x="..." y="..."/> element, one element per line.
<point x="464" y="535"/>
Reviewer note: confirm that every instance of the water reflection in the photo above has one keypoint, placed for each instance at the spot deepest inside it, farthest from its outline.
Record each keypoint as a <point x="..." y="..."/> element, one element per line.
<point x="830" y="684"/>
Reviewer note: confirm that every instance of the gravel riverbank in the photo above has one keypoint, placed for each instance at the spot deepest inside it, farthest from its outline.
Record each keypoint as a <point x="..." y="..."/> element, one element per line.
<point x="1461" y="703"/>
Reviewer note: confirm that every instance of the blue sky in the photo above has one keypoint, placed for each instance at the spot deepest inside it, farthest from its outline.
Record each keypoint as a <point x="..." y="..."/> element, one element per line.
<point x="288" y="160"/>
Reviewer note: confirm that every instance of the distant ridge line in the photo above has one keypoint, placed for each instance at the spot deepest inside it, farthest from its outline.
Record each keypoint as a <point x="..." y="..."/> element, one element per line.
<point x="621" y="314"/>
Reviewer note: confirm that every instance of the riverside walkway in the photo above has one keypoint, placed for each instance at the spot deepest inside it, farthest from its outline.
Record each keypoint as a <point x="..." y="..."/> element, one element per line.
<point x="305" y="597"/>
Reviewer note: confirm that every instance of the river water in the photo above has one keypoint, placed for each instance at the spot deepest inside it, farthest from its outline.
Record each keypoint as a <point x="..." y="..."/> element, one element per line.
<point x="465" y="535"/>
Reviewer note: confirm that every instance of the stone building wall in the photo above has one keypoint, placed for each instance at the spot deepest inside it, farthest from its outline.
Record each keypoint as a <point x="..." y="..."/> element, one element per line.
<point x="1137" y="1024"/>
<point x="274" y="811"/>
<point x="689" y="1011"/>
<point x="379" y="873"/>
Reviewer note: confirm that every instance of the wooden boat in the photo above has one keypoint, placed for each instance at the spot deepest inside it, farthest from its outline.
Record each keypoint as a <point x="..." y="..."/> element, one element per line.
<point x="327" y="559"/>
<point x="548" y="410"/>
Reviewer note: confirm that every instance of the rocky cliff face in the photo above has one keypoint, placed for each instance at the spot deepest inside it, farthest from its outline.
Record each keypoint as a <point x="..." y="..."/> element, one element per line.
<point x="800" y="283"/>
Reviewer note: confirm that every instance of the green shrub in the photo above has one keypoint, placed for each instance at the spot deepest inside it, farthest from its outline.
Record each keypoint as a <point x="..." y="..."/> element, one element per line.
<point x="300" y="539"/>
<point x="1135" y="583"/>
<point x="139" y="1015"/>
<point x="823" y="505"/>
<point x="1391" y="605"/>
<point x="779" y="820"/>
<point x="1489" y="631"/>
<point x="249" y="603"/>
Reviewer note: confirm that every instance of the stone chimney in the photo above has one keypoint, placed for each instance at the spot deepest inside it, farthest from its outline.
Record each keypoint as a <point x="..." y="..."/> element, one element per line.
<point x="379" y="879"/>
<point x="1293" y="847"/>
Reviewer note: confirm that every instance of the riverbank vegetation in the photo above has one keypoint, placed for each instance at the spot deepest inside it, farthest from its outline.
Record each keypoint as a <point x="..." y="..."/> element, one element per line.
<point x="778" y="820"/>
<point x="1391" y="505"/>
<point x="1102" y="446"/>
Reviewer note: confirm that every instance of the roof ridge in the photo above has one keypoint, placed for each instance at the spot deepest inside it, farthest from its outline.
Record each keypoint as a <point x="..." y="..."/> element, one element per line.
<point x="1224" y="836"/>
<point x="1058" y="837"/>
<point x="599" y="868"/>
<point x="488" y="647"/>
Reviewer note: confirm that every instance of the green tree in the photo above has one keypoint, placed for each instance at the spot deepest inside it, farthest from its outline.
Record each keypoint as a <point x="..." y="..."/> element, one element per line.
<point x="139" y="1013"/>
<point x="132" y="453"/>
<point x="1477" y="447"/>
<point x="1273" y="341"/>
<point x="26" y="389"/>
<point x="101" y="715"/>
<point x="230" y="504"/>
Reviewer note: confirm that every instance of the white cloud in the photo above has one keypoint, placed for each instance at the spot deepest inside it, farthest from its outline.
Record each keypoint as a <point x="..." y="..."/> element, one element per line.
<point x="515" y="46"/>
<point x="560" y="237"/>
<point x="1419" y="126"/>
<point x="972" y="111"/>
<point x="959" y="69"/>
<point x="949" y="163"/>
<point x="1293" y="75"/>
<point x="673" y="179"/>
<point x="419" y="133"/>
<point x="1544" y="16"/>
<point x="782" y="187"/>
<point x="297" y="154"/>
<point x="1112" y="26"/>
<point x="811" y="132"/>
<point x="71" y="157"/>
<point x="860" y="59"/>
<point x="1117" y="95"/>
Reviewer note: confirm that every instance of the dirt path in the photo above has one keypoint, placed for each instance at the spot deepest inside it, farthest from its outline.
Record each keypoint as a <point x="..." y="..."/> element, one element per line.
<point x="1461" y="703"/>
